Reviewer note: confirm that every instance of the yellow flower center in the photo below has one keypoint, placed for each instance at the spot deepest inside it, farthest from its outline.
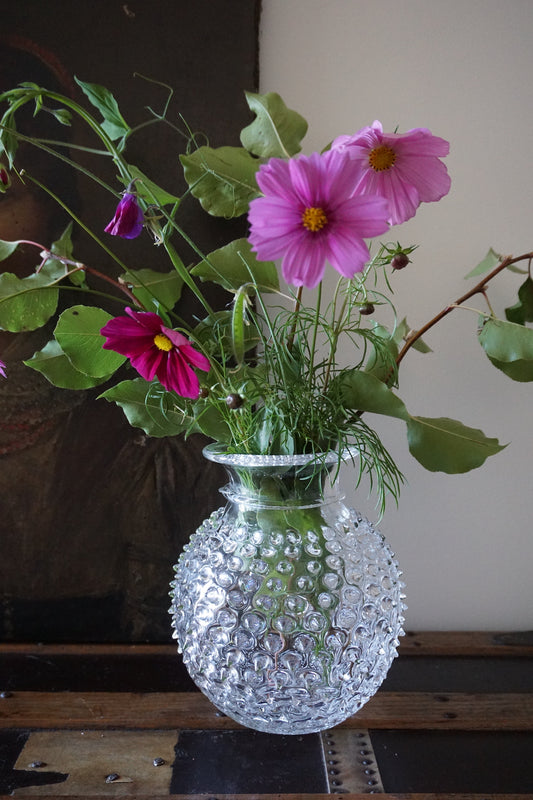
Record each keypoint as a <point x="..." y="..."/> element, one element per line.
<point x="382" y="157"/>
<point x="314" y="219"/>
<point x="162" y="342"/>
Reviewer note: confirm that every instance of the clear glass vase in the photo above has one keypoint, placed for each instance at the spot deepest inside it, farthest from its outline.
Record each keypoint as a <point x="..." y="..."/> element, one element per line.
<point x="286" y="605"/>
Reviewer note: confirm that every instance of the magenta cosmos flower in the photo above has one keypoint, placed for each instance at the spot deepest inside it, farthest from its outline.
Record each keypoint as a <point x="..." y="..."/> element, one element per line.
<point x="403" y="167"/>
<point x="128" y="220"/>
<point x="308" y="215"/>
<point x="3" y="369"/>
<point x="156" y="351"/>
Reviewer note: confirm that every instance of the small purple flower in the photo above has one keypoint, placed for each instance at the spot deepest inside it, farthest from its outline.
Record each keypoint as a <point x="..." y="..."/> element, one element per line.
<point x="3" y="369"/>
<point x="129" y="219"/>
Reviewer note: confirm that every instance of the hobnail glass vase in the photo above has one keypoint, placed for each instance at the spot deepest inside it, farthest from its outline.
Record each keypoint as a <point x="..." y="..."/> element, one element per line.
<point x="286" y="605"/>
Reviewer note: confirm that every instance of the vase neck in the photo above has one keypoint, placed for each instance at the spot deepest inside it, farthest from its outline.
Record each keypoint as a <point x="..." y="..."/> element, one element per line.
<point x="279" y="481"/>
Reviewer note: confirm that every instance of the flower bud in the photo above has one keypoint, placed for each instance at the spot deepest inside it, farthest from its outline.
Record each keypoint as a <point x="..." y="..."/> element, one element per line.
<point x="367" y="309"/>
<point x="128" y="220"/>
<point x="5" y="180"/>
<point x="204" y="393"/>
<point x="400" y="261"/>
<point x="234" y="401"/>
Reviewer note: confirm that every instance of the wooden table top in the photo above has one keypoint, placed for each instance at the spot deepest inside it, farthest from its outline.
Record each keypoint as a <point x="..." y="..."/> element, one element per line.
<point x="454" y="719"/>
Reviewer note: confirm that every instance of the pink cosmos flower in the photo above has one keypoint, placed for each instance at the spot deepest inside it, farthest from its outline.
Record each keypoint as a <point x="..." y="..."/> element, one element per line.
<point x="3" y="369"/>
<point x="128" y="220"/>
<point x="403" y="167"/>
<point x="155" y="350"/>
<point x="308" y="215"/>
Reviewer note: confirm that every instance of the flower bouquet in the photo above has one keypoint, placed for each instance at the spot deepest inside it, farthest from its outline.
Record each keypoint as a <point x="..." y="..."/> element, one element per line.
<point x="287" y="606"/>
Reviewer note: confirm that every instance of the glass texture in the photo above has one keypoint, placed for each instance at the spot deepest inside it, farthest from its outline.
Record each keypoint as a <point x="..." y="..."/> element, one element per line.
<point x="286" y="605"/>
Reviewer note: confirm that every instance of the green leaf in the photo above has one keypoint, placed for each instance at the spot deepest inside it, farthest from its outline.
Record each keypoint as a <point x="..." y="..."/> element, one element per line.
<point x="114" y="123"/>
<point x="52" y="362"/>
<point x="490" y="261"/>
<point x="506" y="341"/>
<point x="445" y="445"/>
<point x="7" y="249"/>
<point x="150" y="191"/>
<point x="276" y="131"/>
<point x="222" y="179"/>
<point x="522" y="311"/>
<point x="210" y="421"/>
<point x="148" y="284"/>
<point x="519" y="370"/>
<point x="382" y="354"/>
<point x="26" y="303"/>
<point x="362" y="391"/>
<point x="145" y="408"/>
<point x="63" y="116"/>
<point x="78" y="334"/>
<point x="63" y="247"/>
<point x="401" y="335"/>
<point x="234" y="265"/>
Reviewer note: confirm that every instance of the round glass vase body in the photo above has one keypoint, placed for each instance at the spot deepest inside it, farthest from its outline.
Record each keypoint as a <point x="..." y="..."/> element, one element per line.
<point x="286" y="605"/>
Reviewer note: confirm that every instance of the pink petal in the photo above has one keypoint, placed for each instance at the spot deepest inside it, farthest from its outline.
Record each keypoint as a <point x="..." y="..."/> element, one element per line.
<point x="306" y="176"/>
<point x="304" y="263"/>
<point x="197" y="359"/>
<point x="148" y="363"/>
<point x="274" y="178"/>
<point x="428" y="175"/>
<point x="347" y="254"/>
<point x="417" y="143"/>
<point x="367" y="214"/>
<point x="175" y="374"/>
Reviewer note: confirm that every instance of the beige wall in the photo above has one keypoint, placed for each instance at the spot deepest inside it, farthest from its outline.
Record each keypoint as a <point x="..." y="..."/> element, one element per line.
<point x="463" y="68"/>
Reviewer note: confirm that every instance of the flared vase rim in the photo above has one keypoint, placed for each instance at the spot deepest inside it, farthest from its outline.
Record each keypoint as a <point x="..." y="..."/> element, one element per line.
<point x="219" y="454"/>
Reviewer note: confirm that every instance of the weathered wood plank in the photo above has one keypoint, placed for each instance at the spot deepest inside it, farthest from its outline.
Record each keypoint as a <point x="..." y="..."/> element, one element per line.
<point x="467" y="643"/>
<point x="347" y="796"/>
<point x="421" y="643"/>
<point x="157" y="710"/>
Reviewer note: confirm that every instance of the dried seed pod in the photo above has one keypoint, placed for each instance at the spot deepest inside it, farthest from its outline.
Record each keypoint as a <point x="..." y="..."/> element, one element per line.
<point x="234" y="401"/>
<point x="399" y="261"/>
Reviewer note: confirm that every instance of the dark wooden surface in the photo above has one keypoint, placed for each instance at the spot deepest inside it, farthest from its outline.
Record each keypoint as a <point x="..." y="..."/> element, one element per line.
<point x="454" y="720"/>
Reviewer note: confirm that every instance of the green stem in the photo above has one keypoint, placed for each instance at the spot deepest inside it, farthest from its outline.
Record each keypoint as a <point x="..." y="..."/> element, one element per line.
<point x="184" y="274"/>
<point x="296" y="311"/>
<point x="314" y="335"/>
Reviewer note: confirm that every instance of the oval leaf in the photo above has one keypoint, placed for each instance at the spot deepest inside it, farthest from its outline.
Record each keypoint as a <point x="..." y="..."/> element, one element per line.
<point x="223" y="180"/>
<point x="276" y="131"/>
<point x="26" y="303"/>
<point x="234" y="265"/>
<point x="78" y="333"/>
<point x="522" y="311"/>
<point x="149" y="190"/>
<point x="149" y="285"/>
<point x="144" y="408"/>
<point x="521" y="371"/>
<point x="114" y="123"/>
<point x="52" y="362"/>
<point x="506" y="341"/>
<point x="362" y="391"/>
<point x="490" y="261"/>
<point x="7" y="249"/>
<point x="446" y="445"/>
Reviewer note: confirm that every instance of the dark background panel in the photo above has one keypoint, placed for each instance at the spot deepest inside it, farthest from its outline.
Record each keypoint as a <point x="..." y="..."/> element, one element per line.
<point x="92" y="513"/>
